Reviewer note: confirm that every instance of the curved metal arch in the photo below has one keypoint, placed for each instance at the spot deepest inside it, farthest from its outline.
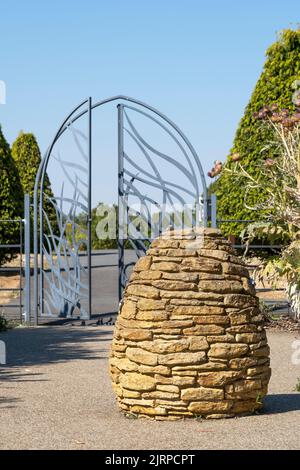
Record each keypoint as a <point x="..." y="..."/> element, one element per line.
<point x="71" y="119"/>
<point x="67" y="122"/>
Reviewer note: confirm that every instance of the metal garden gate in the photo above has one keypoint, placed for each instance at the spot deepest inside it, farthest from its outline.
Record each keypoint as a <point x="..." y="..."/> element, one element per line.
<point x="62" y="275"/>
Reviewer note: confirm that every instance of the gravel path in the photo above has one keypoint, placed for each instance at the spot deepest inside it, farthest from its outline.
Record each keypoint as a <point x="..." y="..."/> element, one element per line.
<point x="55" y="393"/>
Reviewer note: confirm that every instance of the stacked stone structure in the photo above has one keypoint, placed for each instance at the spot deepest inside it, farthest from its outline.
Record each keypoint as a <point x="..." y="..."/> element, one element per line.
<point x="189" y="339"/>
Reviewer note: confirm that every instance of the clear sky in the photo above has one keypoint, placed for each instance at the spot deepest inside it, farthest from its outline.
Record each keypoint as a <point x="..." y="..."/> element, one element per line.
<point x="197" y="61"/>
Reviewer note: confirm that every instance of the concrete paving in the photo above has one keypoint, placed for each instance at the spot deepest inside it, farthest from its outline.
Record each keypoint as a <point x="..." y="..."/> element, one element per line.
<point x="55" y="393"/>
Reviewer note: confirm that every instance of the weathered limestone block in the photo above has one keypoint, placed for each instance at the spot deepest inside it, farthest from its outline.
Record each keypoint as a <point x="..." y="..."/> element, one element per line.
<point x="135" y="334"/>
<point x="202" y="393"/>
<point x="227" y="338"/>
<point x="239" y="300"/>
<point x="187" y="277"/>
<point x="217" y="379"/>
<point x="175" y="285"/>
<point x="175" y="380"/>
<point x="198" y="343"/>
<point x="242" y="363"/>
<point x="196" y="310"/>
<point x="221" y="286"/>
<point x="141" y="356"/>
<point x="161" y="346"/>
<point x="142" y="291"/>
<point x="152" y="315"/>
<point x="217" y="254"/>
<point x="161" y="395"/>
<point x="189" y="339"/>
<point x="182" y="358"/>
<point x="227" y="350"/>
<point x="135" y="381"/>
<point x="142" y="410"/>
<point x="206" y="407"/>
<point x="162" y="244"/>
<point x="146" y="276"/>
<point x="163" y="370"/>
<point x="249" y="337"/>
<point x="211" y="319"/>
<point x="124" y="364"/>
<point x="204" y="330"/>
<point x="168" y="266"/>
<point x="130" y="393"/>
<point x="236" y="269"/>
<point x="143" y="264"/>
<point x="149" y="304"/>
<point x="168" y="388"/>
<point x="203" y="296"/>
<point x="201" y="265"/>
<point x="129" y="310"/>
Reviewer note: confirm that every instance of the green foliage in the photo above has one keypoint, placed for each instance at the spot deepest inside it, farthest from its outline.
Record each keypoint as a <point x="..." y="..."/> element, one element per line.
<point x="260" y="231"/>
<point x="281" y="69"/>
<point x="287" y="265"/>
<point x="27" y="157"/>
<point x="101" y="244"/>
<point x="11" y="198"/>
<point x="100" y="217"/>
<point x="97" y="244"/>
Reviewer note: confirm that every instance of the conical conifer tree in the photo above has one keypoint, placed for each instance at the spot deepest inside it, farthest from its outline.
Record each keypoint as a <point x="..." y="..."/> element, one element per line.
<point x="275" y="86"/>
<point x="27" y="157"/>
<point x="11" y="199"/>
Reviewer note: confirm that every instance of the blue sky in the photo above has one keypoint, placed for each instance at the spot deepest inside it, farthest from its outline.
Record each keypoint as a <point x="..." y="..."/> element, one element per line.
<point x="197" y="61"/>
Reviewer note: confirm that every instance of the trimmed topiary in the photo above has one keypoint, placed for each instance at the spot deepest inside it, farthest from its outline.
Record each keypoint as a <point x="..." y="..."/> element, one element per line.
<point x="27" y="157"/>
<point x="11" y="198"/>
<point x="275" y="85"/>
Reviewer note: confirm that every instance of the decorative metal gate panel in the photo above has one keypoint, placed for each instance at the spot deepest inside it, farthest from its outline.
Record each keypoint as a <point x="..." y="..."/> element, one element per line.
<point x="142" y="172"/>
<point x="62" y="279"/>
<point x="149" y="176"/>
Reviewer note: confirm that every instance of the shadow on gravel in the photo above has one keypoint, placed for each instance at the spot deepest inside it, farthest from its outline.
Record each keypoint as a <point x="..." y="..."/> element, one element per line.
<point x="8" y="402"/>
<point x="48" y="345"/>
<point x="282" y="403"/>
<point x="18" y="375"/>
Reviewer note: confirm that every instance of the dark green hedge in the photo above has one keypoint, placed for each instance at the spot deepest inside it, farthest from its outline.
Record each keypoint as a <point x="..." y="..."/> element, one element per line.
<point x="281" y="69"/>
<point x="11" y="198"/>
<point x="27" y="157"/>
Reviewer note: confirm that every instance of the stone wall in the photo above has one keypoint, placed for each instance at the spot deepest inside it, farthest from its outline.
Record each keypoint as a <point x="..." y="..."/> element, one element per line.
<point x="189" y="340"/>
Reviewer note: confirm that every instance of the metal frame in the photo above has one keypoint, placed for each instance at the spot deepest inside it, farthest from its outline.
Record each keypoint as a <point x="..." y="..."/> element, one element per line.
<point x="215" y="222"/>
<point x="126" y="188"/>
<point x="27" y="231"/>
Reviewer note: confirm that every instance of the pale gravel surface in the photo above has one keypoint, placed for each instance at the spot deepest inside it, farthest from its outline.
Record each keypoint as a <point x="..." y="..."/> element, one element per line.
<point x="55" y="393"/>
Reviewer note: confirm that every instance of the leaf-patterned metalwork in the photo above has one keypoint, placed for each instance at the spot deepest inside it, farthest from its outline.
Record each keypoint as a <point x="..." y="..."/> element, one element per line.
<point x="62" y="282"/>
<point x="63" y="275"/>
<point x="138" y="181"/>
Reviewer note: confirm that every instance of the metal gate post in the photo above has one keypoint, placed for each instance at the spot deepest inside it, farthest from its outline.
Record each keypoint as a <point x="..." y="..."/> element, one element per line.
<point x="120" y="198"/>
<point x="213" y="209"/>
<point x="27" y="309"/>
<point x="89" y="227"/>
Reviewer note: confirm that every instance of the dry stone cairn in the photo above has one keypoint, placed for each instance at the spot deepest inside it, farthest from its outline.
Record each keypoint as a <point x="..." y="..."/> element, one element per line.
<point x="189" y="340"/>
